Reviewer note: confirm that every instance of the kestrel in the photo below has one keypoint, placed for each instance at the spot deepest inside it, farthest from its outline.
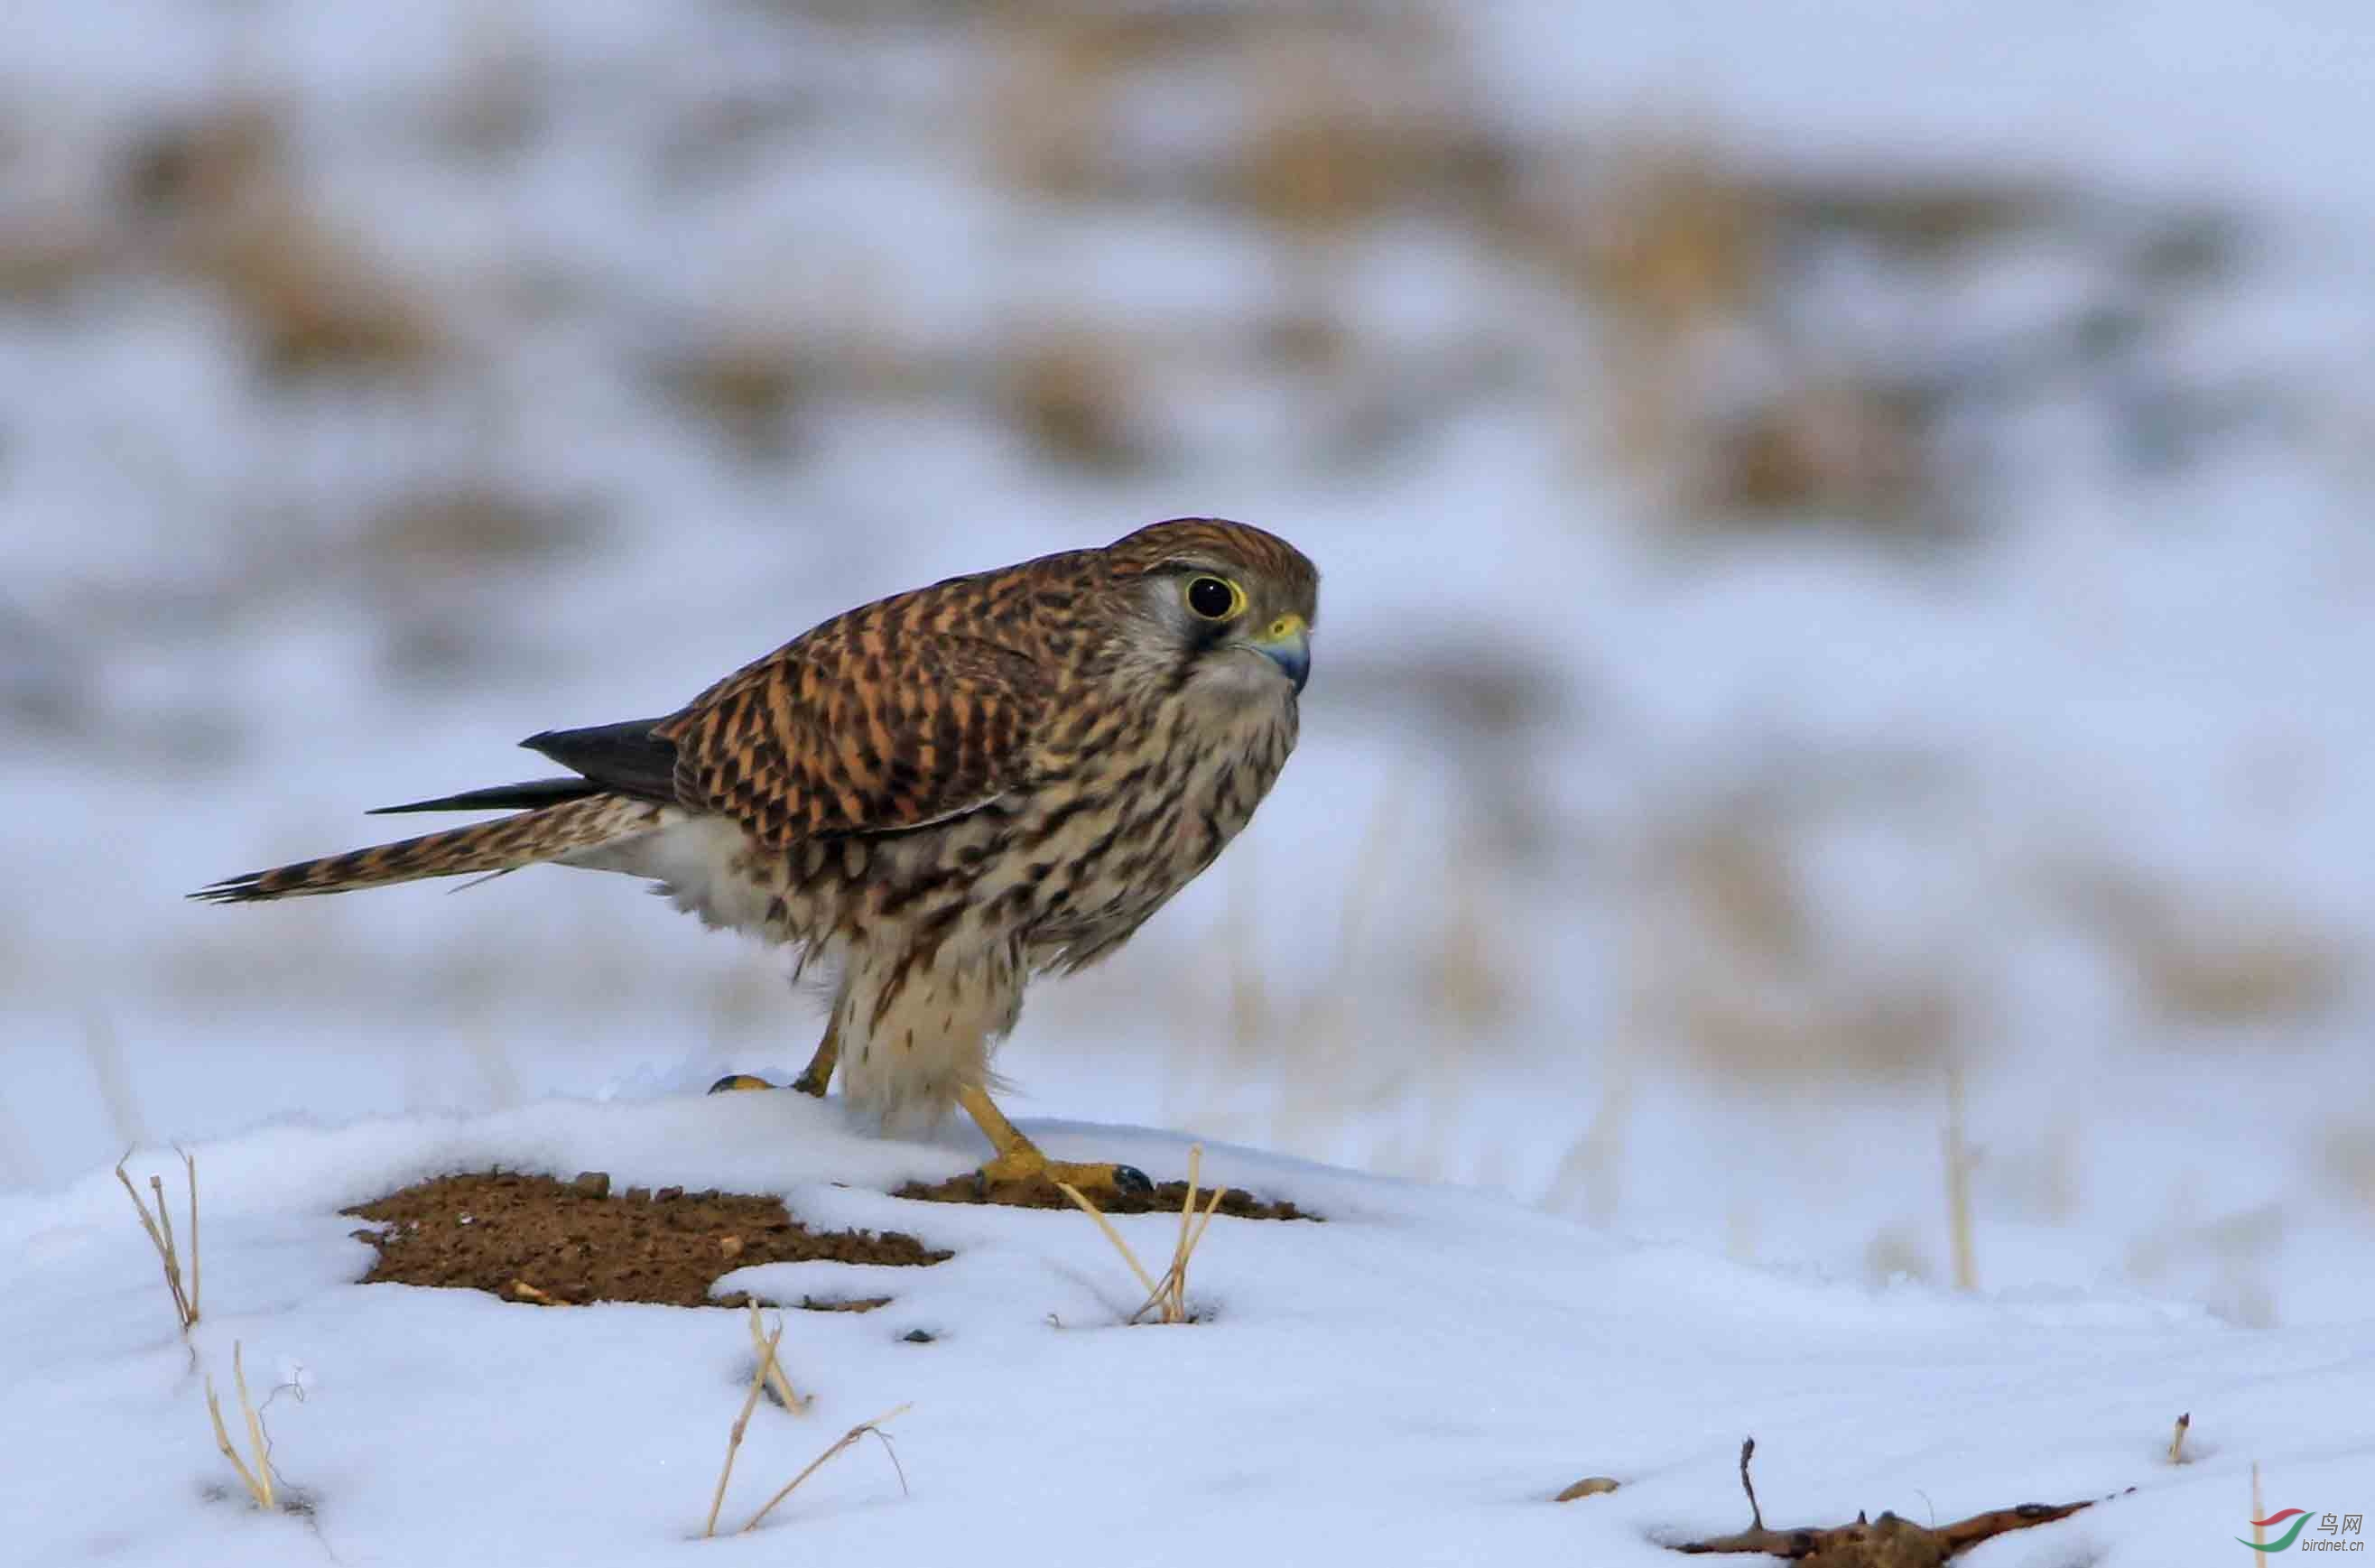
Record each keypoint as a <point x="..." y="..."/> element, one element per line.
<point x="932" y="797"/>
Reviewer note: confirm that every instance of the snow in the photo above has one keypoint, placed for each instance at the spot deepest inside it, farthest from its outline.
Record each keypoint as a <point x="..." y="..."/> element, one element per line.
<point x="1408" y="1380"/>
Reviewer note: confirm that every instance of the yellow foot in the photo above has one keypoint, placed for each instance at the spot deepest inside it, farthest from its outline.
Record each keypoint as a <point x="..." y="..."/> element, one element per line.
<point x="1027" y="1164"/>
<point x="1019" y="1159"/>
<point x="739" y="1080"/>
<point x="813" y="1081"/>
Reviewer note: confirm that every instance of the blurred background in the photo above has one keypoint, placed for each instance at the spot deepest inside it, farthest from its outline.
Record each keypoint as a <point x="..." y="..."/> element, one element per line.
<point x="1840" y="731"/>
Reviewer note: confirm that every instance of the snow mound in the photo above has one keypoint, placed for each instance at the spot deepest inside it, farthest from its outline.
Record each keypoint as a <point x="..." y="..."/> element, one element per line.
<point x="1408" y="1380"/>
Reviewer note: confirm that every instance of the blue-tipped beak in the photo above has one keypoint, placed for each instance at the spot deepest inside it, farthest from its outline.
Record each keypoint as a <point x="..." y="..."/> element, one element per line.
<point x="1287" y="645"/>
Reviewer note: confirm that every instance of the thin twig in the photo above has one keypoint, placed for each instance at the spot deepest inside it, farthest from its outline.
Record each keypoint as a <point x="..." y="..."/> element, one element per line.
<point x="741" y="1424"/>
<point x="1748" y="1451"/>
<point x="845" y="1440"/>
<point x="2176" y="1441"/>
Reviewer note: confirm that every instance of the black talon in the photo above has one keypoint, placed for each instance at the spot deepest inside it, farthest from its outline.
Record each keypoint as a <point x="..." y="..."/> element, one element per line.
<point x="1131" y="1180"/>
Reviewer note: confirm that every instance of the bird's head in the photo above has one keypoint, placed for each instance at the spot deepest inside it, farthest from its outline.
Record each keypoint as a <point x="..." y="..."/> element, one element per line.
<point x="1218" y="606"/>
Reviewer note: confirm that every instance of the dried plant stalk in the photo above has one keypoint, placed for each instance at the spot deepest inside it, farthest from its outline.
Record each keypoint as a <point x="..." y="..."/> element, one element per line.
<point x="1167" y="1295"/>
<point x="845" y="1440"/>
<point x="190" y="1167"/>
<point x="741" y="1424"/>
<point x="1958" y="1184"/>
<point x="773" y="1365"/>
<point x="1068" y="1190"/>
<point x="1171" y="1295"/>
<point x="159" y="1227"/>
<point x="257" y="1480"/>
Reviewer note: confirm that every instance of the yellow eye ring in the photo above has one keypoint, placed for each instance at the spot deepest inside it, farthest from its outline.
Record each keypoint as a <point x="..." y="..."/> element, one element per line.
<point x="1213" y="599"/>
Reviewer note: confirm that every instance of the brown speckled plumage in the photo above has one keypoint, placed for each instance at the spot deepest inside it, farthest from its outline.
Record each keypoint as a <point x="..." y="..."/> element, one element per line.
<point x="935" y="794"/>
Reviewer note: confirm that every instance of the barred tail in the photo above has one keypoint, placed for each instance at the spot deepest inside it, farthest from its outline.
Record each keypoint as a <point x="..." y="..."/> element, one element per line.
<point x="552" y="833"/>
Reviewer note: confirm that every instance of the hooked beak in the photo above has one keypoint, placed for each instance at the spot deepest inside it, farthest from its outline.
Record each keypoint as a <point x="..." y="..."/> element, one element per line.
<point x="1287" y="645"/>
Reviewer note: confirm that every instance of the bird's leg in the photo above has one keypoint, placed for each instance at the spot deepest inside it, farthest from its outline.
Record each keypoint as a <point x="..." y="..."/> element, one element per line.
<point x="819" y="1072"/>
<point x="1019" y="1159"/>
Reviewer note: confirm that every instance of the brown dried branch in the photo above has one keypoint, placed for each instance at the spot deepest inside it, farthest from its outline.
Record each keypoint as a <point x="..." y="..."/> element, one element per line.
<point x="1889" y="1541"/>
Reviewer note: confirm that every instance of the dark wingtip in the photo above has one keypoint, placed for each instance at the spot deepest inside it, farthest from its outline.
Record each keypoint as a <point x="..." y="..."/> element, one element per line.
<point x="525" y="796"/>
<point x="625" y="756"/>
<point x="244" y="889"/>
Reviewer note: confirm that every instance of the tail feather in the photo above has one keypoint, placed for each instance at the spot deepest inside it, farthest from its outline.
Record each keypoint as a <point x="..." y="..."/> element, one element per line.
<point x="551" y="832"/>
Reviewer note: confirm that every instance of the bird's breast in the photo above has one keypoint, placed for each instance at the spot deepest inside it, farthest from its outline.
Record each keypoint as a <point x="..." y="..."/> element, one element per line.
<point x="1069" y="864"/>
<point x="1103" y="845"/>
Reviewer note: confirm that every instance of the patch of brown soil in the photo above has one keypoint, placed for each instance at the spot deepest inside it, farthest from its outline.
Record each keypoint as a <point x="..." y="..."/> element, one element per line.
<point x="536" y="1239"/>
<point x="1163" y="1199"/>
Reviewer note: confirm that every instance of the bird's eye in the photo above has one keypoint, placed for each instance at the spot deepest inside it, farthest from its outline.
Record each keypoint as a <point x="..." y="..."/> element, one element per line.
<point x="1214" y="598"/>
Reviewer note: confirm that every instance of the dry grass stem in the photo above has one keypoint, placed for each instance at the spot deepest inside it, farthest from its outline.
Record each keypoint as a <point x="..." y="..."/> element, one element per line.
<point x="1188" y="1208"/>
<point x="847" y="1439"/>
<point x="1171" y="1292"/>
<point x="2259" y="1509"/>
<point x="159" y="1228"/>
<point x="190" y="1171"/>
<point x="1168" y="1295"/>
<point x="1068" y="1190"/>
<point x="742" y="1421"/>
<point x="1959" y="1161"/>
<point x="2176" y="1441"/>
<point x="254" y="1423"/>
<point x="257" y="1480"/>
<point x="773" y="1365"/>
